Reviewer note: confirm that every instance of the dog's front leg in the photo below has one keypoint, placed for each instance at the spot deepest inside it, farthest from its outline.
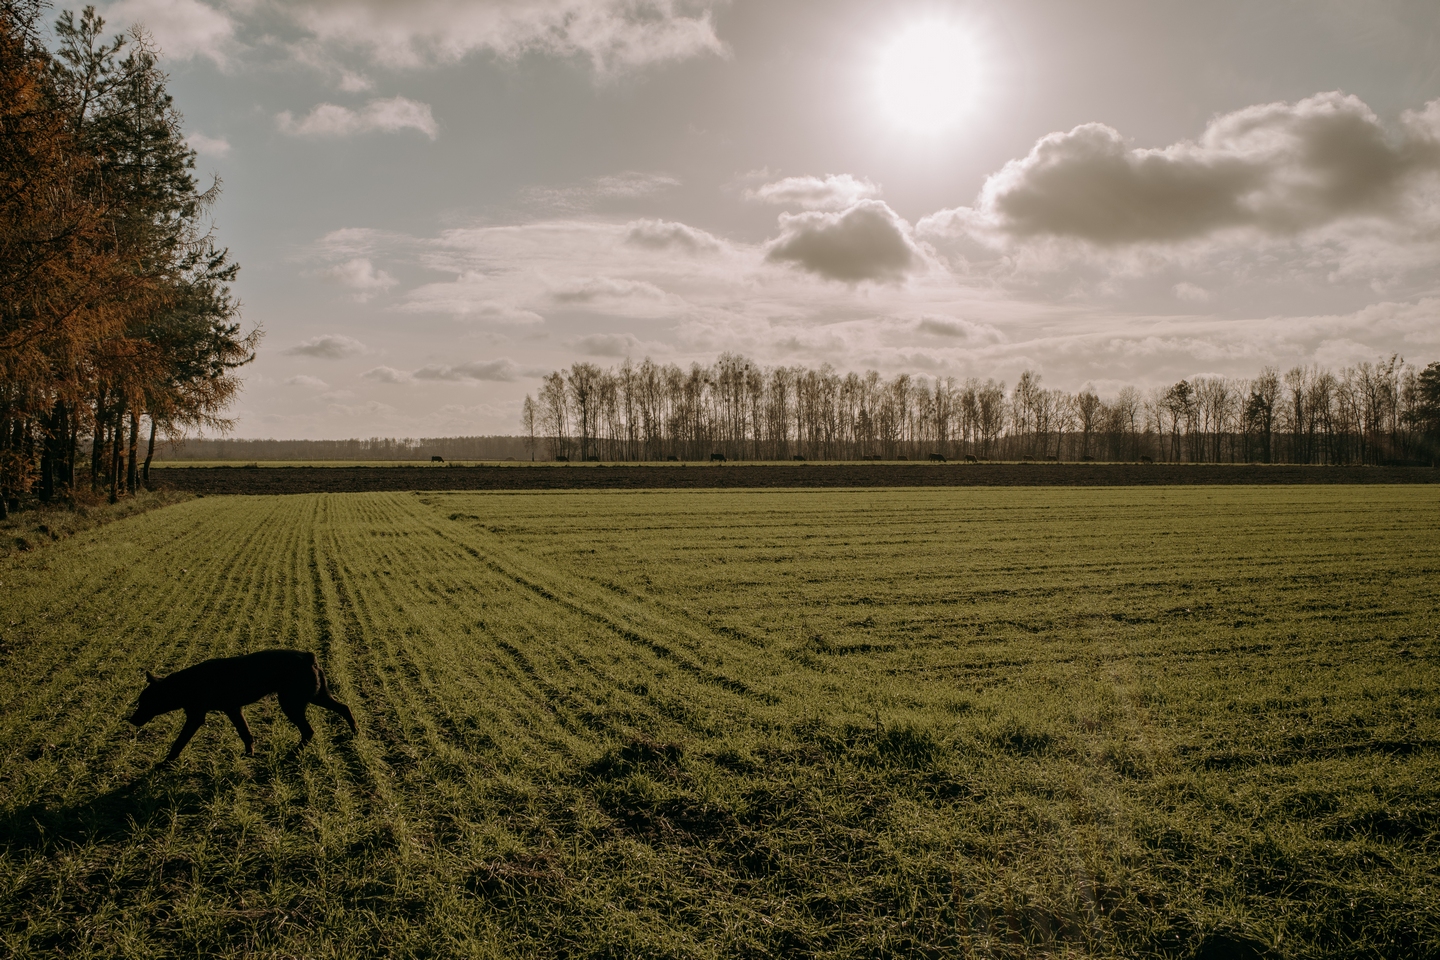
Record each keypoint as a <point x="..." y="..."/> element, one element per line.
<point x="193" y="720"/>
<point x="241" y="727"/>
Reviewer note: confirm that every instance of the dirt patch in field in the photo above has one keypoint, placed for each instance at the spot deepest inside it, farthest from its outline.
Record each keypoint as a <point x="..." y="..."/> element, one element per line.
<point x="272" y="480"/>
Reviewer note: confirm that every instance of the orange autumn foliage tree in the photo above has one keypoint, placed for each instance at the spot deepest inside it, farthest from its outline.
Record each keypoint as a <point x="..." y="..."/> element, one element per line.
<point x="115" y="307"/>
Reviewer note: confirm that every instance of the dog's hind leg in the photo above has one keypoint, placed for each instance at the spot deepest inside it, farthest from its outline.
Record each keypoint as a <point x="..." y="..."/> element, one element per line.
<point x="323" y="699"/>
<point x="193" y="720"/>
<point x="295" y="710"/>
<point x="242" y="728"/>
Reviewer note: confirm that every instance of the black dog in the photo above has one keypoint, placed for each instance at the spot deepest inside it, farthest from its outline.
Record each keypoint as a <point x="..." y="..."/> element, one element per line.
<point x="229" y="683"/>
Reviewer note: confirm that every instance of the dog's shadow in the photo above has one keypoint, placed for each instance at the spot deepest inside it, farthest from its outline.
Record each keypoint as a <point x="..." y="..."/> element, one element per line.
<point x="111" y="816"/>
<point x="156" y="796"/>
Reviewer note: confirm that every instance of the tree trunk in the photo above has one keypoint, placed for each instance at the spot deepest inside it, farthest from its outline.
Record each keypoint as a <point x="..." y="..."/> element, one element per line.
<point x="71" y="449"/>
<point x="47" y="461"/>
<point x="97" y="445"/>
<point x="150" y="455"/>
<point x="62" y="450"/>
<point x="130" y="477"/>
<point x="52" y="454"/>
<point x="117" y="432"/>
<point x="4" y="489"/>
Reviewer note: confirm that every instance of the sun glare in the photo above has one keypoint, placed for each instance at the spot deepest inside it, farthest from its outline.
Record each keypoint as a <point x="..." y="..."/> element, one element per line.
<point x="926" y="76"/>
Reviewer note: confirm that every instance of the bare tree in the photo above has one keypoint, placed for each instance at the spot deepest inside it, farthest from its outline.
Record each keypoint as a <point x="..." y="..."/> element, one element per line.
<point x="527" y="419"/>
<point x="990" y="401"/>
<point x="1260" y="409"/>
<point x="1178" y="406"/>
<point x="555" y="414"/>
<point x="1214" y="401"/>
<point x="1126" y="414"/>
<point x="583" y="381"/>
<point x="1088" y="411"/>
<point x="1063" y="418"/>
<point x="944" y="411"/>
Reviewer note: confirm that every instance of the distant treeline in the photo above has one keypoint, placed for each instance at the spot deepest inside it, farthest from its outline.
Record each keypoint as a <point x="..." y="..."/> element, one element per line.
<point x="375" y="448"/>
<point x="1384" y="412"/>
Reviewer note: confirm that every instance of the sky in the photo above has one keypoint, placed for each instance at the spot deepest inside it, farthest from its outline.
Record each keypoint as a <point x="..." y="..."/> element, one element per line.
<point x="436" y="202"/>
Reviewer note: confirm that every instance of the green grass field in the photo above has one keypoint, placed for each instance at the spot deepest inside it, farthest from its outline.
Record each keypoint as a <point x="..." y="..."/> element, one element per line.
<point x="1178" y="722"/>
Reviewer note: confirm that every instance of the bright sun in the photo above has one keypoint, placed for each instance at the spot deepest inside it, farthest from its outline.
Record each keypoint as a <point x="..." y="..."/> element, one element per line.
<point x="926" y="76"/>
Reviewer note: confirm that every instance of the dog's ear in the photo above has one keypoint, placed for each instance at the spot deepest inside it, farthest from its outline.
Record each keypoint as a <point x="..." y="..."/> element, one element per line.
<point x="150" y="678"/>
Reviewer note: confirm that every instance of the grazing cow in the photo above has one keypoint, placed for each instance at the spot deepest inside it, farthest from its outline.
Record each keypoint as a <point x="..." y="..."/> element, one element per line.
<point x="592" y="459"/>
<point x="227" y="684"/>
<point x="1087" y="459"/>
<point x="717" y="458"/>
<point x="938" y="457"/>
<point x="1147" y="459"/>
<point x="672" y="459"/>
<point x="562" y="459"/>
<point x="799" y="456"/>
<point x="1053" y="459"/>
<point x="971" y="458"/>
<point x="437" y="459"/>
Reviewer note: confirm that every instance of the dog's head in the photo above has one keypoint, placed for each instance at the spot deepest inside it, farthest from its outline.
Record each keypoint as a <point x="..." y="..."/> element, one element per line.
<point x="151" y="703"/>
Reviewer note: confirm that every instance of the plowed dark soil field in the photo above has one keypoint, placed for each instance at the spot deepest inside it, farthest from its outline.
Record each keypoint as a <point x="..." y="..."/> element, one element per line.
<point x="310" y="479"/>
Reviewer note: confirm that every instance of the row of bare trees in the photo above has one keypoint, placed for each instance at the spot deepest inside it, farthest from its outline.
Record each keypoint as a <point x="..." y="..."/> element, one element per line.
<point x="115" y="305"/>
<point x="1370" y="413"/>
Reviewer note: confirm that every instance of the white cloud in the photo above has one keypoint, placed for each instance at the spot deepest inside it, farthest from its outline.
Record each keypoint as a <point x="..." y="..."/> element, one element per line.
<point x="608" y="345"/>
<point x="1278" y="169"/>
<point x="1191" y="292"/>
<point x="675" y="306"/>
<point x="386" y="375"/>
<point x="503" y="369"/>
<point x="331" y="346"/>
<point x="470" y="296"/>
<point x="959" y="329"/>
<point x="360" y="275"/>
<point x="314" y="383"/>
<point x="632" y="184"/>
<point x="354" y="242"/>
<point x="352" y="82"/>
<point x="613" y="35"/>
<point x="368" y="412"/>
<point x="208" y="146"/>
<point x="835" y="192"/>
<point x="555" y="276"/>
<point x="387" y="116"/>
<point x="182" y="29"/>
<point x="869" y="241"/>
<point x="455" y="418"/>
<point x="668" y="235"/>
<point x="1342" y="352"/>
<point x="588" y="289"/>
<point x="520" y="275"/>
<point x="579" y="197"/>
